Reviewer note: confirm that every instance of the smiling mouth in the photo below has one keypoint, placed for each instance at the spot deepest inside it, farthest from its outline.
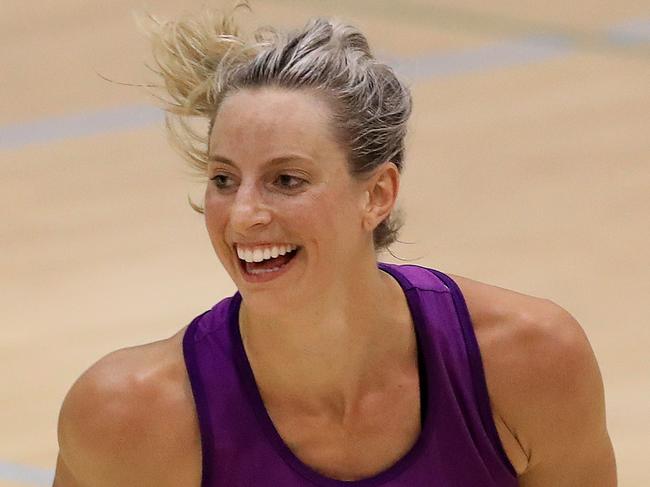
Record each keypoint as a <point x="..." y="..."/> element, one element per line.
<point x="268" y="265"/>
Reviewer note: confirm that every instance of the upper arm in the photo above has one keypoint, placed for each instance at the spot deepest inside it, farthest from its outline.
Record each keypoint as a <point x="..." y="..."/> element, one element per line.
<point x="558" y="406"/>
<point x="119" y="426"/>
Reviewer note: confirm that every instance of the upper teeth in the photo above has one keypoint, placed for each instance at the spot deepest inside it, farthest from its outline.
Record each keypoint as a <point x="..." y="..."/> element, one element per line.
<point x="263" y="253"/>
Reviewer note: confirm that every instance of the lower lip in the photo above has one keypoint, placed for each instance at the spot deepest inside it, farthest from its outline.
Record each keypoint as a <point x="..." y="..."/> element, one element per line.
<point x="266" y="276"/>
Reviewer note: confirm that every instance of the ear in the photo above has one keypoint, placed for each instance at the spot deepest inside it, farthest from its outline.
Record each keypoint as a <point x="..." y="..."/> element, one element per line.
<point x="381" y="195"/>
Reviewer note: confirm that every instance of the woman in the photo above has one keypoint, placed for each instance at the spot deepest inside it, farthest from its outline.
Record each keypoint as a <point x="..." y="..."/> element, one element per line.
<point x="328" y="368"/>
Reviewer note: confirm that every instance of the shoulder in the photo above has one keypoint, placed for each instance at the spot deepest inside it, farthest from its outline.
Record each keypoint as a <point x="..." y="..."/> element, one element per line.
<point x="542" y="374"/>
<point x="127" y="415"/>
<point x="537" y="330"/>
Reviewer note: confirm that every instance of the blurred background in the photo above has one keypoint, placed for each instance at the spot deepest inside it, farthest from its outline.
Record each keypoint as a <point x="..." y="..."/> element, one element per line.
<point x="528" y="167"/>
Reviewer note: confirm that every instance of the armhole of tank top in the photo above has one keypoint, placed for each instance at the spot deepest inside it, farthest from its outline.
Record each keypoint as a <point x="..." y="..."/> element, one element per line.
<point x="476" y="367"/>
<point x="200" y="400"/>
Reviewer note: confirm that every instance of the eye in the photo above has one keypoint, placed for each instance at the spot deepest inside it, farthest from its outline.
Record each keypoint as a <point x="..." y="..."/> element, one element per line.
<point x="221" y="181"/>
<point x="287" y="181"/>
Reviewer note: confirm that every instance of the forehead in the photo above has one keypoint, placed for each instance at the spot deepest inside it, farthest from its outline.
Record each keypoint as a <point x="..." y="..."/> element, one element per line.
<point x="272" y="120"/>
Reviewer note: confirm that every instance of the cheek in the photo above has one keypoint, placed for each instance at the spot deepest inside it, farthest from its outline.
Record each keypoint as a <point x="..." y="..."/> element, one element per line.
<point x="215" y="215"/>
<point x="330" y="215"/>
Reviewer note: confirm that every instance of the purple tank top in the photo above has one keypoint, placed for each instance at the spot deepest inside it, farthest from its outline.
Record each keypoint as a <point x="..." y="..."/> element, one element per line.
<point x="457" y="447"/>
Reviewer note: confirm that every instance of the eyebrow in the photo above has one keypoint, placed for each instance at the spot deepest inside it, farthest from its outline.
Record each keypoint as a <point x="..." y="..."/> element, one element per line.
<point x="276" y="161"/>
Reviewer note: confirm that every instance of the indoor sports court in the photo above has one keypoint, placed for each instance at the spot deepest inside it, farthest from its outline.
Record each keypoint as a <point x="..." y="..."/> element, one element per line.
<point x="528" y="167"/>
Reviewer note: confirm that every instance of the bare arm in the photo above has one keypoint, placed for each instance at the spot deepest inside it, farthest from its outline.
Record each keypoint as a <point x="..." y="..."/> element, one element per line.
<point x="563" y="423"/>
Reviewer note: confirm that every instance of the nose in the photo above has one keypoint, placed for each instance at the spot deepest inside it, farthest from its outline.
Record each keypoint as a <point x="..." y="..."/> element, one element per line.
<point x="249" y="209"/>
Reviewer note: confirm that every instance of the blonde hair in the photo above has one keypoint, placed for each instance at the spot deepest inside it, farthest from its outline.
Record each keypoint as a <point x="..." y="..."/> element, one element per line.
<point x="202" y="59"/>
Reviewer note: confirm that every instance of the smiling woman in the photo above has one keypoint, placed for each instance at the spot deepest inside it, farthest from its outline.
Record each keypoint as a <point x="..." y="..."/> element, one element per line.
<point x="284" y="166"/>
<point x="327" y="367"/>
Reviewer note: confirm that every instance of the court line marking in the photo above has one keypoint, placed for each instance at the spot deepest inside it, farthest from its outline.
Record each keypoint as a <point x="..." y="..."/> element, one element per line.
<point x="498" y="55"/>
<point x="633" y="32"/>
<point x="22" y="474"/>
<point x="508" y="53"/>
<point x="504" y="54"/>
<point x="78" y="125"/>
<point x="483" y="21"/>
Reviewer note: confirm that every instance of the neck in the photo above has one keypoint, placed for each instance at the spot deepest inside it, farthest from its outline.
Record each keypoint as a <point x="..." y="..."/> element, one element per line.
<point x="327" y="355"/>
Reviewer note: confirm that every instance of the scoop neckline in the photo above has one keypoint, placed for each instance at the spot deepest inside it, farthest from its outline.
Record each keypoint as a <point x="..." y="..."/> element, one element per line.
<point x="283" y="449"/>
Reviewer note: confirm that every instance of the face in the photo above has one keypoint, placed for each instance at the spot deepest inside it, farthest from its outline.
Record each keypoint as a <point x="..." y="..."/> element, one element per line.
<point x="278" y="177"/>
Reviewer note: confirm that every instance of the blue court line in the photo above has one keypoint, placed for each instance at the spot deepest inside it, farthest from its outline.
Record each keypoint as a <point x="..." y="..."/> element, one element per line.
<point x="631" y="33"/>
<point x="78" y="125"/>
<point x="513" y="52"/>
<point x="499" y="55"/>
<point x="26" y="475"/>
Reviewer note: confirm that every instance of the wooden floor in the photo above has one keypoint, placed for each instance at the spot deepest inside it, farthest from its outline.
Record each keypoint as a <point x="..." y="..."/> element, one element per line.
<point x="528" y="167"/>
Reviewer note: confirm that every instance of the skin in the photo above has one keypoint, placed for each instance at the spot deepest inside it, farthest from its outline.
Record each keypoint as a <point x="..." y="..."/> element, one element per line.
<point x="130" y="419"/>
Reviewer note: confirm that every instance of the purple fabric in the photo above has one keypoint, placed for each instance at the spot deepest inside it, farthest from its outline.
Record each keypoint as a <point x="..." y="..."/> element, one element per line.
<point x="458" y="445"/>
